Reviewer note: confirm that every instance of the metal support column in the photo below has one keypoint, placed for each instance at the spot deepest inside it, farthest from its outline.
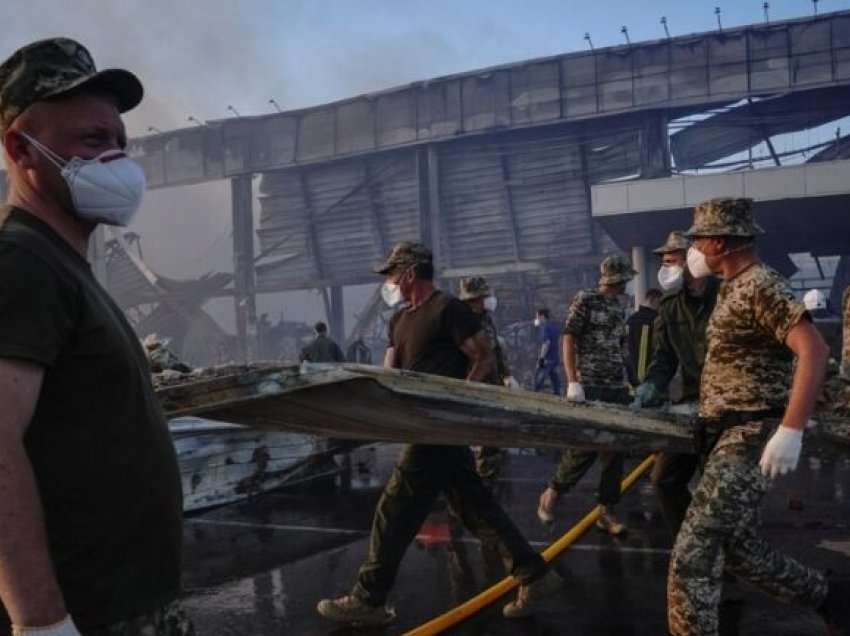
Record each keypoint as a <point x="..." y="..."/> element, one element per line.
<point x="337" y="317"/>
<point x="242" y="210"/>
<point x="654" y="147"/>
<point x="641" y="266"/>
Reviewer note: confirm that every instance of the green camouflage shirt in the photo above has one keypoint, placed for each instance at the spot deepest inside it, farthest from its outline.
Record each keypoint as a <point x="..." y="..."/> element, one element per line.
<point x="598" y="323"/>
<point x="748" y="367"/>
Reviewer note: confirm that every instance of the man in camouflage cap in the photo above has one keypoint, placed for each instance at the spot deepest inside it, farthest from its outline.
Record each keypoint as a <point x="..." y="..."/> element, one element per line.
<point x="91" y="510"/>
<point x="437" y="334"/>
<point x="679" y="346"/>
<point x="593" y="352"/>
<point x="755" y="331"/>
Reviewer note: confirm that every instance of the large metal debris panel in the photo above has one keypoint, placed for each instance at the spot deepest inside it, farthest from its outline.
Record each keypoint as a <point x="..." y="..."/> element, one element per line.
<point x="369" y="403"/>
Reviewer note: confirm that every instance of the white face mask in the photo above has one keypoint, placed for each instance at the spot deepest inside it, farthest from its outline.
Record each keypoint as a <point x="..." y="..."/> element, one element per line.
<point x="391" y="293"/>
<point x="490" y="303"/>
<point x="106" y="189"/>
<point x="537" y="322"/>
<point x="671" y="277"/>
<point x="697" y="265"/>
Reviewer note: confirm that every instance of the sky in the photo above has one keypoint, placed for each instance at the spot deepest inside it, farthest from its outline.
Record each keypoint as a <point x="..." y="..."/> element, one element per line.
<point x="197" y="57"/>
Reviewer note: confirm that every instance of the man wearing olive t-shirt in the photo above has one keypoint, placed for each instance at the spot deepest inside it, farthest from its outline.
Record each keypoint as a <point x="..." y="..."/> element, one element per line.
<point x="440" y="335"/>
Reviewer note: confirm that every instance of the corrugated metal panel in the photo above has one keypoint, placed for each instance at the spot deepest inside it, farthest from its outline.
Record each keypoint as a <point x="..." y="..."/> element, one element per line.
<point x="358" y="208"/>
<point x="529" y="181"/>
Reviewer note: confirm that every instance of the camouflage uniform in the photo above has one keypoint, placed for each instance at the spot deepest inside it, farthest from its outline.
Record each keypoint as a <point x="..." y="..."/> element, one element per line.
<point x="489" y="460"/>
<point x="171" y="620"/>
<point x="745" y="378"/>
<point x="598" y="323"/>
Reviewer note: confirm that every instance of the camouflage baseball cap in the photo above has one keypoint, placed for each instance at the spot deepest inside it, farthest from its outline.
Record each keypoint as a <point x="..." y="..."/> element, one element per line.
<point x="676" y="242"/>
<point x="54" y="67"/>
<point x="724" y="217"/>
<point x="616" y="269"/>
<point x="475" y="287"/>
<point x="403" y="255"/>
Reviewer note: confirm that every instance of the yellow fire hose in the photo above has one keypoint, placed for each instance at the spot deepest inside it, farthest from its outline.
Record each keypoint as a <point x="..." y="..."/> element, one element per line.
<point x="477" y="603"/>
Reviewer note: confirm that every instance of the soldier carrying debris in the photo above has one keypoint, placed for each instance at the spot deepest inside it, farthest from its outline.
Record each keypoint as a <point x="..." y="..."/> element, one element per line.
<point x="438" y="334"/>
<point x="756" y="329"/>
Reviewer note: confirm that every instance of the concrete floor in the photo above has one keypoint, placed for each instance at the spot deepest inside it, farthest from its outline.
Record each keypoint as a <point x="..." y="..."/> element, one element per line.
<point x="260" y="567"/>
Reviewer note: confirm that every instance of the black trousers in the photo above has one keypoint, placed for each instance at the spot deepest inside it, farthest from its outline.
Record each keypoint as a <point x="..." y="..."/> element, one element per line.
<point x="421" y="475"/>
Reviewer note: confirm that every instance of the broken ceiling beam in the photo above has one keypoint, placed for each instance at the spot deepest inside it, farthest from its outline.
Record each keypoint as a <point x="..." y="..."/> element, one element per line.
<point x="738" y="129"/>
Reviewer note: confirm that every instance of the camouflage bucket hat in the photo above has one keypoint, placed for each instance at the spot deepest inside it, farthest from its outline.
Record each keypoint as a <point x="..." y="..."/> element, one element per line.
<point x="676" y="242"/>
<point x="54" y="67"/>
<point x="475" y="287"/>
<point x="403" y="255"/>
<point x="616" y="269"/>
<point x="724" y="217"/>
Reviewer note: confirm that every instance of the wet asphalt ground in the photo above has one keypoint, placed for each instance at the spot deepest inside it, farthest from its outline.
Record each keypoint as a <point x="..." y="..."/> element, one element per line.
<point x="259" y="567"/>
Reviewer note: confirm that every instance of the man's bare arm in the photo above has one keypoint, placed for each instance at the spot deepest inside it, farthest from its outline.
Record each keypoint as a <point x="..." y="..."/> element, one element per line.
<point x="481" y="358"/>
<point x="28" y="587"/>
<point x="390" y="359"/>
<point x="812" y="354"/>
<point x="568" y="353"/>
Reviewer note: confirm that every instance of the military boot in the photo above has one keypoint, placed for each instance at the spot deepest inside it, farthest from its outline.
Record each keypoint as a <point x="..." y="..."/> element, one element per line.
<point x="350" y="610"/>
<point x="529" y="595"/>
<point x="835" y="610"/>
<point x="609" y="523"/>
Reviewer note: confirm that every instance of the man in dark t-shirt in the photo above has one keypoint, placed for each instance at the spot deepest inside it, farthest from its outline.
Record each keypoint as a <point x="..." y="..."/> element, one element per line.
<point x="323" y="348"/>
<point x="437" y="334"/>
<point x="90" y="500"/>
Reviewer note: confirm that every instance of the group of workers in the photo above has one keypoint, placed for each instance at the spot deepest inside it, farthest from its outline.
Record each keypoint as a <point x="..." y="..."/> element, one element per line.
<point x="90" y="493"/>
<point x="748" y="354"/>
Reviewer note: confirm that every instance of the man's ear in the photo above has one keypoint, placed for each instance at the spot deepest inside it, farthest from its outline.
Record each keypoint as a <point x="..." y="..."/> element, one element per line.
<point x="19" y="149"/>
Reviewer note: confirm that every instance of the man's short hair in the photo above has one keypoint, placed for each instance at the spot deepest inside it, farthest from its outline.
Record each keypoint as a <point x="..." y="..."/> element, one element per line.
<point x="654" y="294"/>
<point x="320" y="327"/>
<point x="543" y="312"/>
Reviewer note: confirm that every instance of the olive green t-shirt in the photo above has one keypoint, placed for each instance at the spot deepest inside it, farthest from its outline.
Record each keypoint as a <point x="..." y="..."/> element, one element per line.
<point x="99" y="444"/>
<point x="427" y="338"/>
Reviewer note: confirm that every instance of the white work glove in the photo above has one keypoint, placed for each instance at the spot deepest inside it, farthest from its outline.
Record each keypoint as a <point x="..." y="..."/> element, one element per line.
<point x="65" y="627"/>
<point x="575" y="392"/>
<point x="511" y="382"/>
<point x="782" y="452"/>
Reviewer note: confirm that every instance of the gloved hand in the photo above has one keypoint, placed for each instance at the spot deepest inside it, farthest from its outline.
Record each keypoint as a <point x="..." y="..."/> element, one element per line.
<point x="575" y="392"/>
<point x="511" y="382"/>
<point x="782" y="452"/>
<point x="646" y="395"/>
<point x="64" y="627"/>
<point x="541" y="362"/>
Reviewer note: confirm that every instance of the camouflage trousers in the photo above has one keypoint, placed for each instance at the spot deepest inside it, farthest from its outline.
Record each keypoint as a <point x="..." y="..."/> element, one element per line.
<point x="489" y="462"/>
<point x="720" y="531"/>
<point x="170" y="620"/>
<point x="575" y="464"/>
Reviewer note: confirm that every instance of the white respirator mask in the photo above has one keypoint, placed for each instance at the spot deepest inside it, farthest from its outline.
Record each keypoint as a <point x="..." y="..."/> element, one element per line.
<point x="391" y="293"/>
<point x="671" y="277"/>
<point x="697" y="265"/>
<point x="537" y="322"/>
<point x="106" y="189"/>
<point x="490" y="303"/>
